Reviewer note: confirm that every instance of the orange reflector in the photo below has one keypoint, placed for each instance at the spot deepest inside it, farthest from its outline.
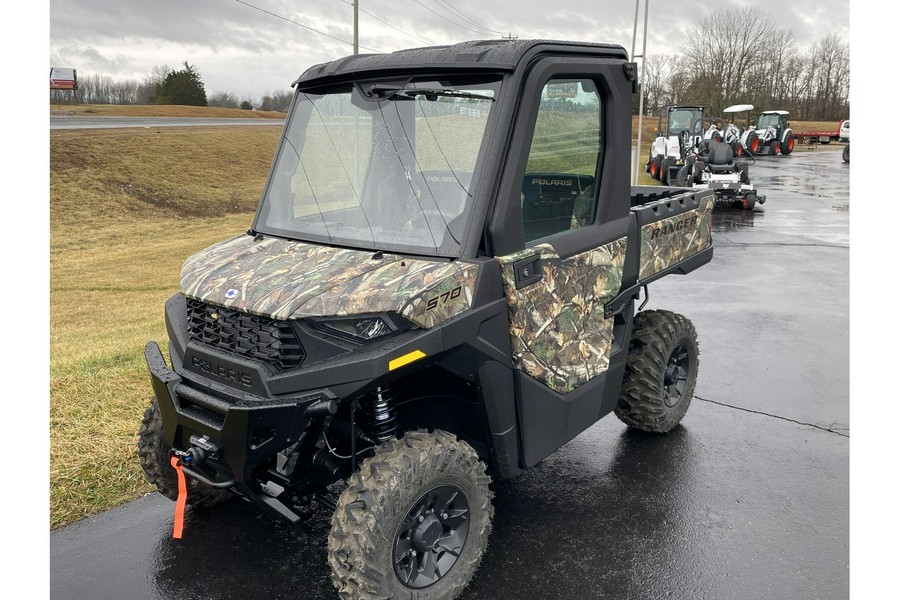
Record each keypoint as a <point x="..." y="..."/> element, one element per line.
<point x="181" y="501"/>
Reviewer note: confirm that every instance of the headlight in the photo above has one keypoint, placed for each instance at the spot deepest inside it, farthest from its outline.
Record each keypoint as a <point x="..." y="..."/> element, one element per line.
<point x="363" y="328"/>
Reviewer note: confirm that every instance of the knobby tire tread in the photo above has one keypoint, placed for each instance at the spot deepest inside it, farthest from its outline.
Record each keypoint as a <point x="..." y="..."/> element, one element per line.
<point x="380" y="492"/>
<point x="154" y="456"/>
<point x="655" y="334"/>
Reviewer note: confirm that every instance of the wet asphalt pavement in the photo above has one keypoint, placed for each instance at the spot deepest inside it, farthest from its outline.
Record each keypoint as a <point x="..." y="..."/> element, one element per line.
<point x="748" y="498"/>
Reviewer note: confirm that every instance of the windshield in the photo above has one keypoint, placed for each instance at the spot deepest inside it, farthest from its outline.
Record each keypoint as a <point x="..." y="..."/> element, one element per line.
<point x="767" y="121"/>
<point x="382" y="167"/>
<point x="690" y="119"/>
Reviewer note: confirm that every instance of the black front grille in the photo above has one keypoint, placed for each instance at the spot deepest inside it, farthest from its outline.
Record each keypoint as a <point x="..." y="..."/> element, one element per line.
<point x="257" y="338"/>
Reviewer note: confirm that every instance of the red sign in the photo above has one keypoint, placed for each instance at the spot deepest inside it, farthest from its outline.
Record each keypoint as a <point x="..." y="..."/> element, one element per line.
<point x="62" y="78"/>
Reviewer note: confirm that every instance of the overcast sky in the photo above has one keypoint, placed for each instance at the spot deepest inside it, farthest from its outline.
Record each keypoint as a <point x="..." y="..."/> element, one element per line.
<point x="241" y="49"/>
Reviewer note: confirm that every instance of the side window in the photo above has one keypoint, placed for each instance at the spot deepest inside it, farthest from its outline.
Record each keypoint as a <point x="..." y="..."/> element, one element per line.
<point x="559" y="189"/>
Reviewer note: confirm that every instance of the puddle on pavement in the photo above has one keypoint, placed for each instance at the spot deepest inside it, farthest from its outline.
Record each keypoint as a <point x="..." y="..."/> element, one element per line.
<point x="729" y="219"/>
<point x="814" y="177"/>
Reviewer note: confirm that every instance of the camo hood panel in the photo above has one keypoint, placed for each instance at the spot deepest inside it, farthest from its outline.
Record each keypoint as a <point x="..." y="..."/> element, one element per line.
<point x="426" y="293"/>
<point x="284" y="279"/>
<point x="559" y="334"/>
<point x="667" y="242"/>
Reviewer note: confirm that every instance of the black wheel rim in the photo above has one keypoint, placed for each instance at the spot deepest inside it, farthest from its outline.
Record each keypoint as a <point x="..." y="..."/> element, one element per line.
<point x="431" y="537"/>
<point x="675" y="378"/>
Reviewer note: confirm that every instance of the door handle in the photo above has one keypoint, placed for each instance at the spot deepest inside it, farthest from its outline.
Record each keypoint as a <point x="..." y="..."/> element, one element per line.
<point x="528" y="271"/>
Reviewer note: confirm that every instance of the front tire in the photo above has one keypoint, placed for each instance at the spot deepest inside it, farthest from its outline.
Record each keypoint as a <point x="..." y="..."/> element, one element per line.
<point x="846" y="153"/>
<point x="154" y="456"/>
<point x="752" y="142"/>
<point x="660" y="373"/>
<point x="415" y="519"/>
<point x="664" y="172"/>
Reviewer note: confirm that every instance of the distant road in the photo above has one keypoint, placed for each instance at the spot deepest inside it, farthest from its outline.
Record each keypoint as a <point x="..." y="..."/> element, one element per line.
<point x="66" y="122"/>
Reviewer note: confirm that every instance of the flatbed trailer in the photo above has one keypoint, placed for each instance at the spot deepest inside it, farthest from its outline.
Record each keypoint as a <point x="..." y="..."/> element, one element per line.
<point x="820" y="136"/>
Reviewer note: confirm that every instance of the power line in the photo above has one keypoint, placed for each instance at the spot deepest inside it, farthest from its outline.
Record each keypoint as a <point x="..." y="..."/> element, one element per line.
<point x="302" y="25"/>
<point x="415" y="37"/>
<point x="488" y="33"/>
<point x="470" y="20"/>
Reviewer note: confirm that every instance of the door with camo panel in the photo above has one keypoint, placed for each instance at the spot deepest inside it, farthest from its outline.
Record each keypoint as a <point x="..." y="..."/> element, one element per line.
<point x="570" y="264"/>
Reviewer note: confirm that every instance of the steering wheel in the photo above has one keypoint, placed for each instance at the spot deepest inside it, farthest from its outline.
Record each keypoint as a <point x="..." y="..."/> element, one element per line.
<point x="696" y="126"/>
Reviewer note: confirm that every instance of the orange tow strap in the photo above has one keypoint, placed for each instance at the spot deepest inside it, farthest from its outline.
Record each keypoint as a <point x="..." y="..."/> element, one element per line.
<point x="181" y="501"/>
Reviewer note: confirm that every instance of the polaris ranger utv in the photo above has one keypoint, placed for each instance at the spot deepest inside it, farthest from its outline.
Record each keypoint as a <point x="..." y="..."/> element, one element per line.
<point x="437" y="290"/>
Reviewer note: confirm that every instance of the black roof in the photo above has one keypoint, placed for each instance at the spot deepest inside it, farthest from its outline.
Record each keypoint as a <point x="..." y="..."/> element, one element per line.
<point x="473" y="55"/>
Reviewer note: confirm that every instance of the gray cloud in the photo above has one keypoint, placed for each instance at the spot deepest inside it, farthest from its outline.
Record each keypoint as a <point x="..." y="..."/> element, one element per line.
<point x="245" y="51"/>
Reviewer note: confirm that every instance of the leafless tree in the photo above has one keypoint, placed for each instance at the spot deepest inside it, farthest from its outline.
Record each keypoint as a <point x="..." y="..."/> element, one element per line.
<point x="223" y="100"/>
<point x="740" y="55"/>
<point x="151" y="84"/>
<point x="658" y="71"/>
<point x="281" y="100"/>
<point x="723" y="51"/>
<point x="679" y="82"/>
<point x="768" y="78"/>
<point x="832" y="60"/>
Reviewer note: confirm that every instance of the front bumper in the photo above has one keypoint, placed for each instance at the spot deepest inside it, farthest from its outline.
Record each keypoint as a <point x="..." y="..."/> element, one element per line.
<point x="247" y="431"/>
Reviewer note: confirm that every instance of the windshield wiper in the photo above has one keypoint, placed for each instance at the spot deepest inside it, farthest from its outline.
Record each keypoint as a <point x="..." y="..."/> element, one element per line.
<point x="429" y="93"/>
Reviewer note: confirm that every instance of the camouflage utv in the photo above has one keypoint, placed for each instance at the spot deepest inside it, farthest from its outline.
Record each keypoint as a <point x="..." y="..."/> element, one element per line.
<point x="437" y="291"/>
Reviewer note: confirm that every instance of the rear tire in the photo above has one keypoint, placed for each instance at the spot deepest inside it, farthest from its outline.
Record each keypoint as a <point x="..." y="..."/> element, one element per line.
<point x="660" y="373"/>
<point x="421" y="501"/>
<point x="654" y="168"/>
<point x="154" y="455"/>
<point x="788" y="146"/>
<point x="748" y="201"/>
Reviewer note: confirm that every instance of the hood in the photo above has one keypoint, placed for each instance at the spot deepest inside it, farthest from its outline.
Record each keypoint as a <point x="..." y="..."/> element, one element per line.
<point x="285" y="279"/>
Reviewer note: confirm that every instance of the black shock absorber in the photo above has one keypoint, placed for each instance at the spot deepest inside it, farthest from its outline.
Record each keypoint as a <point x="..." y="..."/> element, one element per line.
<point x="380" y="415"/>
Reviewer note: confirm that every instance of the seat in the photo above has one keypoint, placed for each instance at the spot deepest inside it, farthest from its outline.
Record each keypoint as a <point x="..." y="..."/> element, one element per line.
<point x="720" y="158"/>
<point x="548" y="201"/>
<point x="444" y="191"/>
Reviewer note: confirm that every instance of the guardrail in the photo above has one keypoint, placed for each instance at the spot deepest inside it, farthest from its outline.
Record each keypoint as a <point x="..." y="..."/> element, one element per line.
<point x="69" y="113"/>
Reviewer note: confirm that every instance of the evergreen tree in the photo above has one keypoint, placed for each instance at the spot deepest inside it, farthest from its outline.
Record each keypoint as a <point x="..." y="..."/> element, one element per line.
<point x="181" y="87"/>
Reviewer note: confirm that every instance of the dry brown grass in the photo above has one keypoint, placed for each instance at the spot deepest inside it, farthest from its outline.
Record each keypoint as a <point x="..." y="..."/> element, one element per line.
<point x="165" y="110"/>
<point x="126" y="208"/>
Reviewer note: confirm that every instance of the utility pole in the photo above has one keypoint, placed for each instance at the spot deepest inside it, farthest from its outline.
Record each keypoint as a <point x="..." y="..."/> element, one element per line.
<point x="643" y="57"/>
<point x="355" y="26"/>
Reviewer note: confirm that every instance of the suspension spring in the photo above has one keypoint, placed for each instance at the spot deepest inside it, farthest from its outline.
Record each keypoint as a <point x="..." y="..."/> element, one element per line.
<point x="380" y="415"/>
